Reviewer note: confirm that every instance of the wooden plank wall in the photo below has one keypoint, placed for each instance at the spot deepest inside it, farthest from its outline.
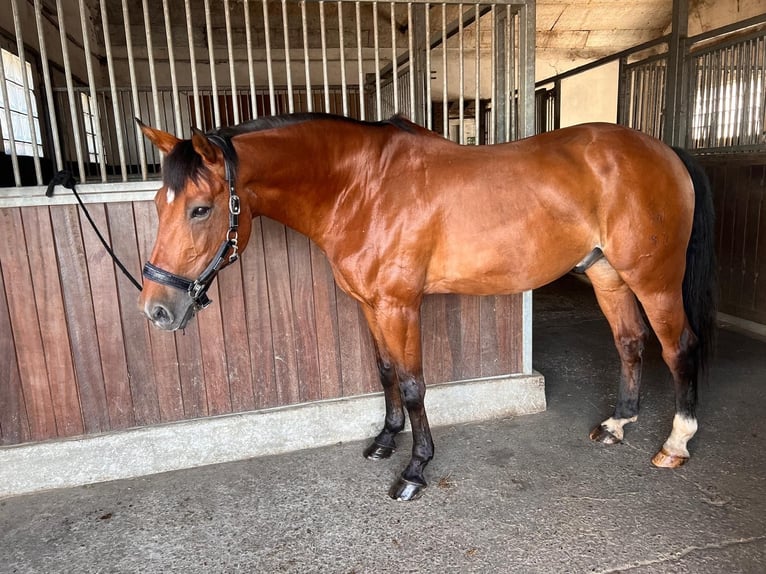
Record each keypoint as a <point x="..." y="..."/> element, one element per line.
<point x="739" y="191"/>
<point x="77" y="356"/>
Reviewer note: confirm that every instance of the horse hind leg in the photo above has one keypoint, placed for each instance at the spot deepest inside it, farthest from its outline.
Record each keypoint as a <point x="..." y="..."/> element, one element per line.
<point x="680" y="351"/>
<point x="620" y="307"/>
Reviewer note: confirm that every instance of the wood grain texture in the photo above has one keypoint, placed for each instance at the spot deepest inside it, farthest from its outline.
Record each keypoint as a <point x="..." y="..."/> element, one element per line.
<point x="25" y="325"/>
<point x="14" y="426"/>
<point x="106" y="310"/>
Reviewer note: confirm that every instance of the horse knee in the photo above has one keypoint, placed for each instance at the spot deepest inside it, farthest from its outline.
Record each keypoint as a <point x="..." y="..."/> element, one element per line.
<point x="630" y="346"/>
<point x="413" y="392"/>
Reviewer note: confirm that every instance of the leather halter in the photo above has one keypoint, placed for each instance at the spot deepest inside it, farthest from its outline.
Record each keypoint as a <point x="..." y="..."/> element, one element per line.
<point x="227" y="252"/>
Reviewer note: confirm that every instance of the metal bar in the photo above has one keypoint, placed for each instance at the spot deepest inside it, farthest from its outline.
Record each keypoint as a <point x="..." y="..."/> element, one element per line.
<point x="306" y="61"/>
<point x="429" y="105"/>
<point x="394" y="63"/>
<point x="27" y="91"/>
<point x="492" y="128"/>
<point x="48" y="90"/>
<point x="461" y="74"/>
<point x="445" y="95"/>
<point x="288" y="67"/>
<point x="341" y="48"/>
<point x="9" y="123"/>
<point x="360" y="63"/>
<point x="250" y="71"/>
<point x="193" y="65"/>
<point x="411" y="49"/>
<point x="94" y="109"/>
<point x="172" y="64"/>
<point x="269" y="67"/>
<point x="378" y="102"/>
<point x="152" y="72"/>
<point x="323" y="33"/>
<point x="70" y="90"/>
<point x="113" y="89"/>
<point x="134" y="88"/>
<point x="510" y="76"/>
<point x="233" y="77"/>
<point x="477" y="77"/>
<point x="211" y="57"/>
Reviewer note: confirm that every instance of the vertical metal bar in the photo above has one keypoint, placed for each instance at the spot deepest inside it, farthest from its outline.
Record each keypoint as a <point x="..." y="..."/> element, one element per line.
<point x="95" y="112"/>
<point x="341" y="48"/>
<point x="461" y="74"/>
<point x="9" y="123"/>
<point x="234" y="98"/>
<point x="527" y="123"/>
<point x="171" y="63"/>
<point x="193" y="66"/>
<point x="394" y="62"/>
<point x="70" y="91"/>
<point x="250" y="71"/>
<point x="429" y="105"/>
<point x="288" y="66"/>
<point x="113" y="89"/>
<point x="411" y="49"/>
<point x="27" y="91"/>
<point x="673" y="91"/>
<point x="445" y="94"/>
<point x="359" y="58"/>
<point x="269" y="64"/>
<point x="378" y="102"/>
<point x="510" y="74"/>
<point x="492" y="128"/>
<point x="306" y="61"/>
<point x="323" y="31"/>
<point x="134" y="88"/>
<point x="477" y="76"/>
<point x="152" y="72"/>
<point x="47" y="83"/>
<point x="211" y="57"/>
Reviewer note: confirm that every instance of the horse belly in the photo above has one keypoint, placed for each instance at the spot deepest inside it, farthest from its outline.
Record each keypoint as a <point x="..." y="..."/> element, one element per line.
<point x="494" y="268"/>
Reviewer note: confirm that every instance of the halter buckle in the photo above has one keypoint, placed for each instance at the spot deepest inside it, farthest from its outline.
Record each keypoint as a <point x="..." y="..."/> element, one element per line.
<point x="234" y="206"/>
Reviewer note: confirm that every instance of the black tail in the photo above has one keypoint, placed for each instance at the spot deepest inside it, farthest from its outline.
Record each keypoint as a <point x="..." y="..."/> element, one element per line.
<point x="700" y="286"/>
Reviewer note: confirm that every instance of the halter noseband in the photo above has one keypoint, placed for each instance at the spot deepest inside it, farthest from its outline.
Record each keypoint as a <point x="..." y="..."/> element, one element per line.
<point x="228" y="251"/>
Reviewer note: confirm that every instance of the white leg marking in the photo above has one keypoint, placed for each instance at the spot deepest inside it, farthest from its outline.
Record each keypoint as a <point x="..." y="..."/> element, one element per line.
<point x="683" y="430"/>
<point x="614" y="426"/>
<point x="170" y="195"/>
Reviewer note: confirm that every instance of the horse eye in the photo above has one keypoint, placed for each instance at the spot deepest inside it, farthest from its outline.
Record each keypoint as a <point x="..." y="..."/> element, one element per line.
<point x="200" y="212"/>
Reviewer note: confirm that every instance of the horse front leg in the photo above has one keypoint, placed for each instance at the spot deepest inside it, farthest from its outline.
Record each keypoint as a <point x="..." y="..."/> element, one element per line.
<point x="396" y="330"/>
<point x="384" y="445"/>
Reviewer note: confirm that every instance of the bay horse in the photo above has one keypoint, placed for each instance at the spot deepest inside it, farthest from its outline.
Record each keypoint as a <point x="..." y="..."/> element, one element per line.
<point x="401" y="212"/>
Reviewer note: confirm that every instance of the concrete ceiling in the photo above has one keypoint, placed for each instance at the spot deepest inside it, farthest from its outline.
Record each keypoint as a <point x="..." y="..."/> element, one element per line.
<point x="573" y="32"/>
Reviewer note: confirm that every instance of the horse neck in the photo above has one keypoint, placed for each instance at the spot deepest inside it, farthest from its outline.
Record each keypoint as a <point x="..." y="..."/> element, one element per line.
<point x="296" y="176"/>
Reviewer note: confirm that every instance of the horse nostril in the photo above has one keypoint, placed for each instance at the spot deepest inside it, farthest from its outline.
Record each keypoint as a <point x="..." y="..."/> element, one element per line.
<point x="161" y="315"/>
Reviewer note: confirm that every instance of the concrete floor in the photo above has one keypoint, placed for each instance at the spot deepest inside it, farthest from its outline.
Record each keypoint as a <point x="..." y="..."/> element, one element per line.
<point x="527" y="494"/>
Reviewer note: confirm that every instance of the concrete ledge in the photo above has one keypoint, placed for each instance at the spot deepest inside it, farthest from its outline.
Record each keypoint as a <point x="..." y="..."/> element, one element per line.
<point x="186" y="444"/>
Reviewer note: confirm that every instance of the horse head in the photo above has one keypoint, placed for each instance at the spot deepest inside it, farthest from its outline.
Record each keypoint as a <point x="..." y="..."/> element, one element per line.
<point x="198" y="232"/>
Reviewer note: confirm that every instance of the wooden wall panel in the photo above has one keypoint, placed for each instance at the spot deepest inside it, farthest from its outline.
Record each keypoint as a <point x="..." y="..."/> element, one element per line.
<point x="58" y="356"/>
<point x="278" y="332"/>
<point x="106" y="309"/>
<point x="14" y="426"/>
<point x="259" y="320"/>
<point x="138" y="347"/>
<point x="739" y="192"/>
<point x="25" y="324"/>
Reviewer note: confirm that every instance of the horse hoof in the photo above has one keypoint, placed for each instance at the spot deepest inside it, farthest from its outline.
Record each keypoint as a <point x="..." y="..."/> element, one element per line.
<point x="406" y="490"/>
<point x="604" y="436"/>
<point x="664" y="459"/>
<point x="378" y="451"/>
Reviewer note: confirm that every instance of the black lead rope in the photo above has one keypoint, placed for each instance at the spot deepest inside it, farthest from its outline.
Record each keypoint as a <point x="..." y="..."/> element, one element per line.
<point x="65" y="178"/>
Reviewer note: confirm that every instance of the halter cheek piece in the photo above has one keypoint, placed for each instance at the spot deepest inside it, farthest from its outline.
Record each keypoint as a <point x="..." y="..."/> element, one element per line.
<point x="227" y="252"/>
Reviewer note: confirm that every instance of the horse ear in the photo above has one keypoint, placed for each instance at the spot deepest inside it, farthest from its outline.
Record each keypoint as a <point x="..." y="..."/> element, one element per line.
<point x="162" y="140"/>
<point x="203" y="147"/>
